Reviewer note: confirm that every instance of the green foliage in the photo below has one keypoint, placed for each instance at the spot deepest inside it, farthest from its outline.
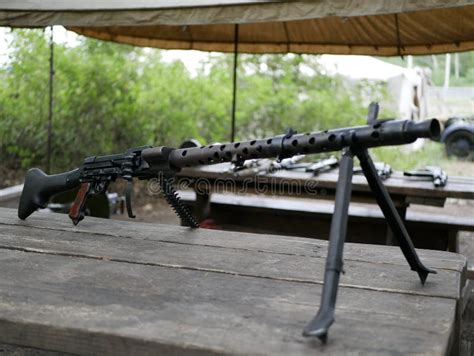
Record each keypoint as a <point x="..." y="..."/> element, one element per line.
<point x="401" y="158"/>
<point x="108" y="97"/>
<point x="94" y="93"/>
<point x="23" y="99"/>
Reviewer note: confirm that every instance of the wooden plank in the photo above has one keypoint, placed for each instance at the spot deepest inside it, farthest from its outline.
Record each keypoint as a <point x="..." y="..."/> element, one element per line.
<point x="10" y="196"/>
<point x="14" y="350"/>
<point x="251" y="213"/>
<point x="360" y="230"/>
<point x="326" y="208"/>
<point x="89" y="306"/>
<point x="285" y="245"/>
<point x="11" y="192"/>
<point x="456" y="187"/>
<point x="310" y="269"/>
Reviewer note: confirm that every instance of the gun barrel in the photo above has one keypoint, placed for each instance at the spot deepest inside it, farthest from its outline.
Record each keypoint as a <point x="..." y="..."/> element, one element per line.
<point x="426" y="129"/>
<point x="385" y="133"/>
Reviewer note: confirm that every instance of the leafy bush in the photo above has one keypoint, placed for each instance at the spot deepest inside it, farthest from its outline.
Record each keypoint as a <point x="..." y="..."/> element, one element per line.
<point x="108" y="97"/>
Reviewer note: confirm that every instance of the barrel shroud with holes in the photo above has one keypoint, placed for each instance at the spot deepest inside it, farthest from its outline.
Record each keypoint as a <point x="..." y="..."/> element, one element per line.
<point x="381" y="133"/>
<point x="148" y="162"/>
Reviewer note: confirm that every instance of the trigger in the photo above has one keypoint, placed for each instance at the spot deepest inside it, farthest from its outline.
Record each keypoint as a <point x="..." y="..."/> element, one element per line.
<point x="128" y="199"/>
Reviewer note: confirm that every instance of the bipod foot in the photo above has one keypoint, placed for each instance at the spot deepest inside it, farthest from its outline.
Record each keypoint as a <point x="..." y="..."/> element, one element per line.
<point x="319" y="326"/>
<point x="423" y="273"/>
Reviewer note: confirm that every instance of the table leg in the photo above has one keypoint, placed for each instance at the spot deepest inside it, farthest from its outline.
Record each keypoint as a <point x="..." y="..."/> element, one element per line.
<point x="453" y="241"/>
<point x="202" y="209"/>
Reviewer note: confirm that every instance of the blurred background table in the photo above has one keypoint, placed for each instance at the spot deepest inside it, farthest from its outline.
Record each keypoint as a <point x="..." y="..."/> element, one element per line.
<point x="299" y="203"/>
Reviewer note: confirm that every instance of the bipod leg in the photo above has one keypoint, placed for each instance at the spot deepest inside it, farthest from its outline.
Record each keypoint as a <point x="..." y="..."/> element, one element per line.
<point x="391" y="215"/>
<point x="319" y="326"/>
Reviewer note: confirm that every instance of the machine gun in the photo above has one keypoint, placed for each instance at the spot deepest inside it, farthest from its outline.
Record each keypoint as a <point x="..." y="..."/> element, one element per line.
<point x="255" y="167"/>
<point x="147" y="162"/>
<point x="320" y="166"/>
<point x="435" y="174"/>
<point x="383" y="170"/>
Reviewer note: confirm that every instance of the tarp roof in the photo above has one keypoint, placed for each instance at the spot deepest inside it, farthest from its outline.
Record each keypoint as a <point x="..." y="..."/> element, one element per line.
<point x="375" y="27"/>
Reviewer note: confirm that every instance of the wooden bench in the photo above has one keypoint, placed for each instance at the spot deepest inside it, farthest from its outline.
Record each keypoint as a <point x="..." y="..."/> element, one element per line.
<point x="10" y="196"/>
<point x="310" y="218"/>
<point x="404" y="191"/>
<point x="121" y="288"/>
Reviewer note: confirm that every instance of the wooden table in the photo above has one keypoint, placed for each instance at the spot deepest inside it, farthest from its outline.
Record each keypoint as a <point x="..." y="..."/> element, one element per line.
<point x="115" y="287"/>
<point x="404" y="191"/>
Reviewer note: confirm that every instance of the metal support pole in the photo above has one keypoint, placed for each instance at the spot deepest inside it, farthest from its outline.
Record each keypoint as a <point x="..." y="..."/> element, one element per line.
<point x="51" y="87"/>
<point x="391" y="215"/>
<point x="234" y="82"/>
<point x="319" y="326"/>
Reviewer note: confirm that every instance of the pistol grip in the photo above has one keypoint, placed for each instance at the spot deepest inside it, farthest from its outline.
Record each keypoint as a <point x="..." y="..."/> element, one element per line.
<point x="76" y="213"/>
<point x="128" y="199"/>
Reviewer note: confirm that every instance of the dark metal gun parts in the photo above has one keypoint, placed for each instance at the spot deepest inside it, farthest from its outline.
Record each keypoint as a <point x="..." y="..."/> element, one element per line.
<point x="383" y="169"/>
<point x="435" y="174"/>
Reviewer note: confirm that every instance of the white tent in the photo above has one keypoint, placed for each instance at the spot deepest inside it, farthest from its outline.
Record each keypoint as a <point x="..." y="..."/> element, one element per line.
<point x="363" y="67"/>
<point x="406" y="87"/>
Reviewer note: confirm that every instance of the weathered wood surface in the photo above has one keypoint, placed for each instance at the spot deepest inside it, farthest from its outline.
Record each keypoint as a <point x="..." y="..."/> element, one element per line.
<point x="10" y="196"/>
<point x="397" y="184"/>
<point x="117" y="287"/>
<point x="312" y="218"/>
<point x="324" y="208"/>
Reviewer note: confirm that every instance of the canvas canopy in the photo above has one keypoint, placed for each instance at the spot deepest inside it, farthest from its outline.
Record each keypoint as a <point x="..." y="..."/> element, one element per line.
<point x="374" y="27"/>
